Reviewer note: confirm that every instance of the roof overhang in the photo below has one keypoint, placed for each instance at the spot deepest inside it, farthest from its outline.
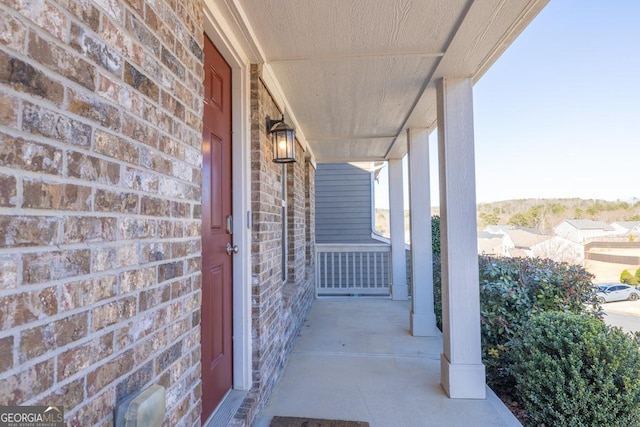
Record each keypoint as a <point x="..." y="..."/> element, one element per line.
<point x="353" y="75"/>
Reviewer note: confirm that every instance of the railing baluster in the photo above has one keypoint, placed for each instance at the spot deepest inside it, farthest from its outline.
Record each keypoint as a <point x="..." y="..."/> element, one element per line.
<point x="382" y="262"/>
<point x="360" y="263"/>
<point x="375" y="269"/>
<point x="348" y="273"/>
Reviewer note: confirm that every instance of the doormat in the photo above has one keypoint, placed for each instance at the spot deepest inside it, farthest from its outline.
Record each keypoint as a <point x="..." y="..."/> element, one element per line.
<point x="314" y="422"/>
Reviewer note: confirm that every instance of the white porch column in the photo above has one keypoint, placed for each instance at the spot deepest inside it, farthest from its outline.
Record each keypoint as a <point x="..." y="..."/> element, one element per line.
<point x="423" y="318"/>
<point x="396" y="214"/>
<point x="462" y="371"/>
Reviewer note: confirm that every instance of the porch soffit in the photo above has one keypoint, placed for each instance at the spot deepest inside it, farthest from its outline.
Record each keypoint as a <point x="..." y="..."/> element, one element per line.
<point x="356" y="74"/>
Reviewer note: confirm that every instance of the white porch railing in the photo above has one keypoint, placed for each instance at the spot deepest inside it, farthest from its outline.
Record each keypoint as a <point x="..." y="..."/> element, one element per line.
<point x="353" y="269"/>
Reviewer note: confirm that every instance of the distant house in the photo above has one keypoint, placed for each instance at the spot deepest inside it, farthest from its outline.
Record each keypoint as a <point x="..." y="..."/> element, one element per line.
<point x="626" y="227"/>
<point x="578" y="230"/>
<point x="524" y="241"/>
<point x="494" y="243"/>
<point x="507" y="240"/>
<point x="559" y="249"/>
<point x="498" y="229"/>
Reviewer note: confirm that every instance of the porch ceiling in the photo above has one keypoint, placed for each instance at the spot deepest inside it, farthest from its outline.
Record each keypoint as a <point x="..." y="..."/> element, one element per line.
<point x="356" y="73"/>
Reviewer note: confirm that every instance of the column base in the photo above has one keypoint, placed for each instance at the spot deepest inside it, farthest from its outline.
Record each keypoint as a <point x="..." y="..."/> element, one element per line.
<point x="424" y="325"/>
<point x="463" y="381"/>
<point x="399" y="293"/>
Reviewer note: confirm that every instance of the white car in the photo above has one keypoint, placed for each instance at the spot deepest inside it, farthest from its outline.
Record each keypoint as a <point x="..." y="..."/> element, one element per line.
<point x="617" y="292"/>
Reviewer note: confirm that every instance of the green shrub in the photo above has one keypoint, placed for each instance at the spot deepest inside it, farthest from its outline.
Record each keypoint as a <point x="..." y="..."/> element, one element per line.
<point x="511" y="290"/>
<point x="638" y="274"/>
<point x="628" y="278"/>
<point x="573" y="370"/>
<point x="435" y="235"/>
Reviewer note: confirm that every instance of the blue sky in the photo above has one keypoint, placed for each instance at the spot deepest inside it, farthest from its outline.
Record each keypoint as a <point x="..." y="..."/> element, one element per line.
<point x="558" y="115"/>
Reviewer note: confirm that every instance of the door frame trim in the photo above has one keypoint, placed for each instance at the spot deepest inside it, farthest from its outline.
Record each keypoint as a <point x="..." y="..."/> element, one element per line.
<point x="241" y="199"/>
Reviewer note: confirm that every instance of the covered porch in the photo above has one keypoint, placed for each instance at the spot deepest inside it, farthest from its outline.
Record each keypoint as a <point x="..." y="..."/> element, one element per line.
<point x="355" y="360"/>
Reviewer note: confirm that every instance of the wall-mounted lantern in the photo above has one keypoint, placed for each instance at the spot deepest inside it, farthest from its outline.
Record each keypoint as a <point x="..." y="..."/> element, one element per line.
<point x="283" y="138"/>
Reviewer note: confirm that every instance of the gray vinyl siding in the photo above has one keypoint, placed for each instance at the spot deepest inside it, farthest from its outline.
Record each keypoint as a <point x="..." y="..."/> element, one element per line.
<point x="343" y="204"/>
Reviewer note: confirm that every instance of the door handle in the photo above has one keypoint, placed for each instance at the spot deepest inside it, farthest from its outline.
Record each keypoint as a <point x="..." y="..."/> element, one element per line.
<point x="232" y="249"/>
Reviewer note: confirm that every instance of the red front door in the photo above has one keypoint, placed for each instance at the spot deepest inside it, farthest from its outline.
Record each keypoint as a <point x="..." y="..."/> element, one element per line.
<point x="217" y="298"/>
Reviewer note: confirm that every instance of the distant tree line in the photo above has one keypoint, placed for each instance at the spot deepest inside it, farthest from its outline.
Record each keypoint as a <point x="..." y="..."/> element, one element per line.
<point x="544" y="214"/>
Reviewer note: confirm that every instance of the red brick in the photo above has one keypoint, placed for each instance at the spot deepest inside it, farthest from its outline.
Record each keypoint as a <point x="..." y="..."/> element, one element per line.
<point x="171" y="147"/>
<point x="179" y="328"/>
<point x="154" y="206"/>
<point x="92" y="47"/>
<point x="45" y="266"/>
<point x="62" y="61"/>
<point x="121" y="94"/>
<point x="136" y="5"/>
<point x="109" y="201"/>
<point x="193" y="228"/>
<point x="118" y="148"/>
<point x="30" y="156"/>
<point x="151" y="160"/>
<point x="41" y="121"/>
<point x="37" y="341"/>
<point x="113" y="8"/>
<point x="140" y="82"/>
<point x="45" y="15"/>
<point x="27" y="231"/>
<point x="138" y="130"/>
<point x="170" y="271"/>
<point x="103" y="258"/>
<point x="92" y="169"/>
<point x="13" y="33"/>
<point x="8" y="191"/>
<point x="81" y="357"/>
<point x="134" y="381"/>
<point x="43" y="195"/>
<point x="9" y="272"/>
<point x="87" y="292"/>
<point x="127" y="255"/>
<point x="25" y="78"/>
<point x="6" y="353"/>
<point x="88" y="229"/>
<point x="93" y="411"/>
<point x="28" y="382"/>
<point x="180" y="210"/>
<point x="140" y="32"/>
<point x="85" y="12"/>
<point x="69" y="395"/>
<point x="170" y="229"/>
<point x="9" y="108"/>
<point x="172" y="63"/>
<point x="71" y="328"/>
<point x="157" y="251"/>
<point x="137" y="179"/>
<point x="93" y="108"/>
<point x="194" y="265"/>
<point x="113" y="312"/>
<point x="151" y="298"/>
<point x="18" y="309"/>
<point x="158" y="117"/>
<point x="121" y="41"/>
<point x="134" y="280"/>
<point x="107" y="373"/>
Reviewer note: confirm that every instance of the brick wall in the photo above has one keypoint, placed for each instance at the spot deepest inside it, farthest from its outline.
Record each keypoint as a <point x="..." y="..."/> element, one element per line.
<point x="296" y="218"/>
<point x="100" y="133"/>
<point x="278" y="308"/>
<point x="310" y="213"/>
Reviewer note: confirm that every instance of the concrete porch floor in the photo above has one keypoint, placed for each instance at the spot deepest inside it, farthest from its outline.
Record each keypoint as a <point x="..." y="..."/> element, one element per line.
<point x="356" y="360"/>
